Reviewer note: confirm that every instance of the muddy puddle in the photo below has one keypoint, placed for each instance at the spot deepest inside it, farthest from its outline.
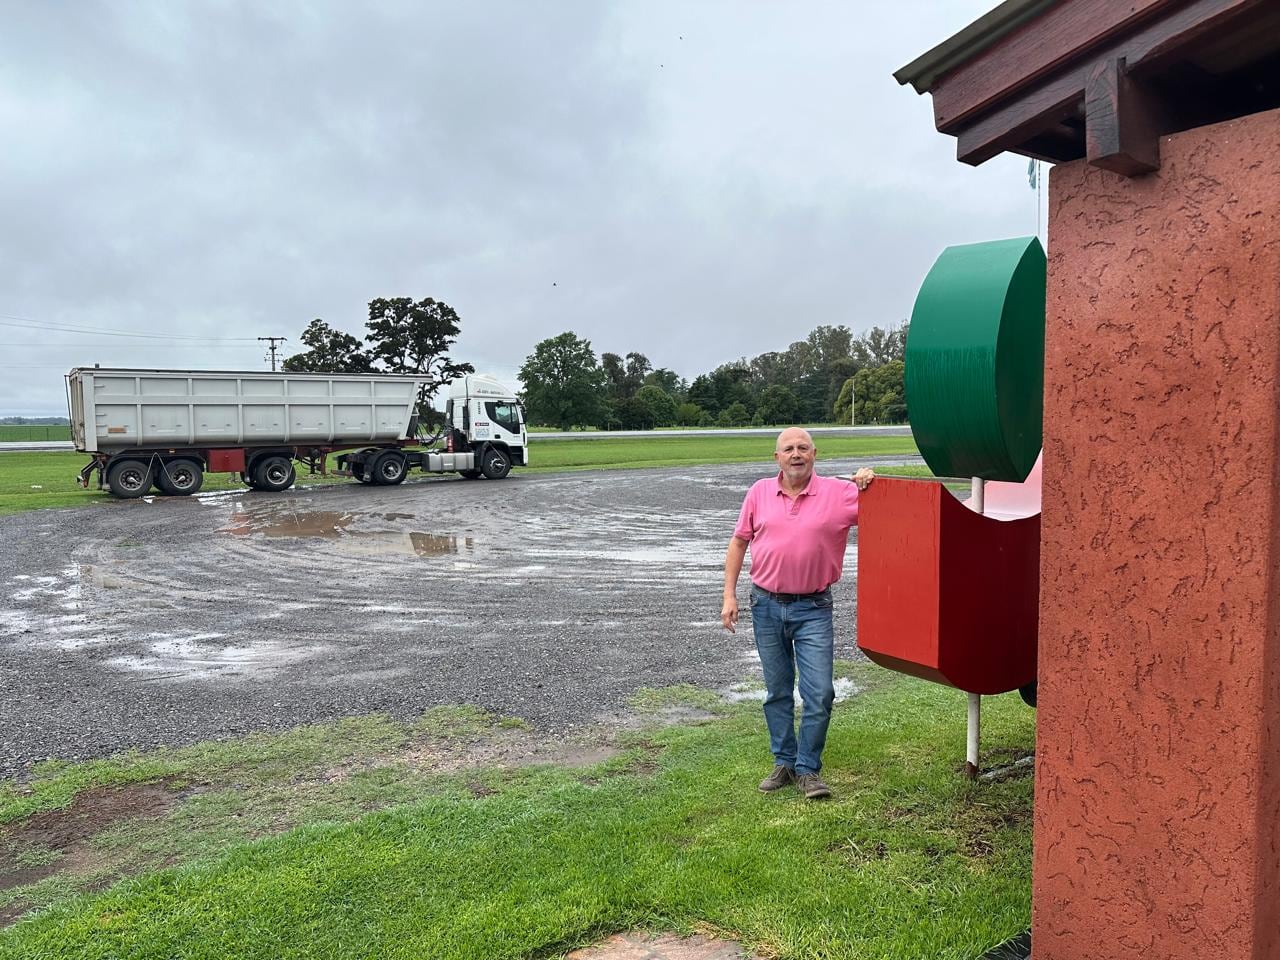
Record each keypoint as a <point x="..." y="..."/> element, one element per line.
<point x="205" y="656"/>
<point x="336" y="527"/>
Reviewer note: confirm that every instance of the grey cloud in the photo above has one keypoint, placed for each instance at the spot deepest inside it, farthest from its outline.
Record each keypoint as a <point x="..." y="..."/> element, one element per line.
<point x="236" y="169"/>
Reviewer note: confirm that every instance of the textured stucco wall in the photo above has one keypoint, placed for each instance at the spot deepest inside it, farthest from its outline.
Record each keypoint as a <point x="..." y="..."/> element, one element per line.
<point x="1158" y="770"/>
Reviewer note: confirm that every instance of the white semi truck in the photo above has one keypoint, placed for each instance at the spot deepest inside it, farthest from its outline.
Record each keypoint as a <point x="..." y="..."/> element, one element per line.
<point x="164" y="429"/>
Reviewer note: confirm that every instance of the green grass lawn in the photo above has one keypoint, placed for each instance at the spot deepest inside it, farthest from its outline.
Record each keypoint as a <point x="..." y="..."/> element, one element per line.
<point x="30" y="481"/>
<point x="15" y="432"/>
<point x="342" y="841"/>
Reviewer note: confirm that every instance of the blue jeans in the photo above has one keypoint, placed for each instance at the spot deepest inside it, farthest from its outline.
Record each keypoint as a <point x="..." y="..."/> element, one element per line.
<point x="796" y="637"/>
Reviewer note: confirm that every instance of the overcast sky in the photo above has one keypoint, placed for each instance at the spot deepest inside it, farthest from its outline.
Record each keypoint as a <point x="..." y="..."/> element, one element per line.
<point x="697" y="181"/>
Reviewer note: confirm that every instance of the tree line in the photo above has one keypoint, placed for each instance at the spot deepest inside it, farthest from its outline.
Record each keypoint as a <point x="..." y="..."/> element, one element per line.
<point x="831" y="375"/>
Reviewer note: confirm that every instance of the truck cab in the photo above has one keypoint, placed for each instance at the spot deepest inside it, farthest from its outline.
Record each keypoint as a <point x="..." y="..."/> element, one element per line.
<point x="485" y="418"/>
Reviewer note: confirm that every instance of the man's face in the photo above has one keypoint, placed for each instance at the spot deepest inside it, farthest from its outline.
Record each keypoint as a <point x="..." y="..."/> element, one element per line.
<point x="795" y="454"/>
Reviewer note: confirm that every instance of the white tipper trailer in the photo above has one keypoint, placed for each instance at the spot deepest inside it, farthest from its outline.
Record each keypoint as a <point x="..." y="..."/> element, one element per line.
<point x="167" y="428"/>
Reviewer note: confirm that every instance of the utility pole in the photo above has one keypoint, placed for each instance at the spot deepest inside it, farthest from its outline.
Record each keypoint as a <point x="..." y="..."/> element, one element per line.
<point x="273" y="341"/>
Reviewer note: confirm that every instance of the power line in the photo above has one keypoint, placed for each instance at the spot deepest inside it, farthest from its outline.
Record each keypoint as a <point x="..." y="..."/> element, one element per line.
<point x="121" y="346"/>
<point x="23" y="323"/>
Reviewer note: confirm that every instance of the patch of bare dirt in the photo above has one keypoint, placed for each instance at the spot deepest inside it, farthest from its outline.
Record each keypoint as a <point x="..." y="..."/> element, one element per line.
<point x="503" y="750"/>
<point x="859" y="853"/>
<point x="636" y="945"/>
<point x="64" y="834"/>
<point x="517" y="749"/>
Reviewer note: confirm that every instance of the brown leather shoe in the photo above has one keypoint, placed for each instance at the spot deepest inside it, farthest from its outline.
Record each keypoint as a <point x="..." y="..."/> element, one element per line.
<point x="781" y="777"/>
<point x="812" y="787"/>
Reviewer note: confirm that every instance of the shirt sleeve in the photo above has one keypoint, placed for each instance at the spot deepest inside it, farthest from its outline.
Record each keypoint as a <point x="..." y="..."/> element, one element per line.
<point x="746" y="528"/>
<point x="851" y="502"/>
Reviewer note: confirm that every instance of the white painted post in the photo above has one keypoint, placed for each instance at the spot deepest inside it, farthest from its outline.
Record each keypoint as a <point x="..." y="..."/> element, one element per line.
<point x="975" y="730"/>
<point x="977" y="503"/>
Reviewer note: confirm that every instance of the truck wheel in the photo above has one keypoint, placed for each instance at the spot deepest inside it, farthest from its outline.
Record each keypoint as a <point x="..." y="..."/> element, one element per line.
<point x="180" y="478"/>
<point x="1028" y="693"/>
<point x="389" y="468"/>
<point x="357" y="471"/>
<point x="274" y="474"/>
<point x="470" y="474"/>
<point x="494" y="462"/>
<point x="129" y="479"/>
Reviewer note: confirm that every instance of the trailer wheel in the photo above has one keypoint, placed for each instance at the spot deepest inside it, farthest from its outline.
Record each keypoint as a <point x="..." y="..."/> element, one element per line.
<point x="274" y="474"/>
<point x="1028" y="693"/>
<point x="129" y="479"/>
<point x="357" y="471"/>
<point x="390" y="468"/>
<point x="470" y="474"/>
<point x="180" y="478"/>
<point x="494" y="462"/>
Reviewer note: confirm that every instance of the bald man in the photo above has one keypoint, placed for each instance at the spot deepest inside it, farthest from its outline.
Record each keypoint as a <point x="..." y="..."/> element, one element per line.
<point x="797" y="526"/>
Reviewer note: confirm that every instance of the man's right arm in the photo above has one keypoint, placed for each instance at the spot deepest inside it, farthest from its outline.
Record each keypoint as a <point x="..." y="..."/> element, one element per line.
<point x="732" y="569"/>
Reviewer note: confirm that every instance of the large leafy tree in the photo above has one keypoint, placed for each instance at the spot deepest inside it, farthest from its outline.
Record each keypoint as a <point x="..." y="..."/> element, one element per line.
<point x="615" y="375"/>
<point x="409" y="337"/>
<point x="329" y="351"/>
<point x="879" y="346"/>
<point x="563" y="385"/>
<point x="702" y="392"/>
<point x="661" y="405"/>
<point x="778" y="405"/>
<point x="668" y="381"/>
<point x="879" y="393"/>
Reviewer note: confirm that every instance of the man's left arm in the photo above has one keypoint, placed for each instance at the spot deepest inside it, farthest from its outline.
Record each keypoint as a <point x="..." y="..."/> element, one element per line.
<point x="861" y="480"/>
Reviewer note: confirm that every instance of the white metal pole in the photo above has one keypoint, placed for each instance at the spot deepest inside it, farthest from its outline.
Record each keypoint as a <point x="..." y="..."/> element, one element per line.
<point x="975" y="730"/>
<point x="977" y="502"/>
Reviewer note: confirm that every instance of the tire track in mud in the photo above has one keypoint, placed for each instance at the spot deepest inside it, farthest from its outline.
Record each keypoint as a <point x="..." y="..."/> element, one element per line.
<point x="138" y="624"/>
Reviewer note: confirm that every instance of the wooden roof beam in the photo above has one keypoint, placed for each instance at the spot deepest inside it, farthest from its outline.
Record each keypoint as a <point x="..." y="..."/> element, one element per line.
<point x="1042" y="106"/>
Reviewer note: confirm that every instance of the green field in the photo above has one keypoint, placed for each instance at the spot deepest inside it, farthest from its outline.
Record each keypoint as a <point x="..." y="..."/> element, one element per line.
<point x="16" y="433"/>
<point x="365" y="838"/>
<point x="30" y="481"/>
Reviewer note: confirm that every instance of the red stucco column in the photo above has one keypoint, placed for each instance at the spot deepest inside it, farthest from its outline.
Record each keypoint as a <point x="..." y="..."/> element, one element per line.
<point x="1157" y="828"/>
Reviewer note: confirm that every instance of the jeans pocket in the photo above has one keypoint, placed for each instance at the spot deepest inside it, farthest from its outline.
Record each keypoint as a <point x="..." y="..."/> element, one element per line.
<point x="825" y="602"/>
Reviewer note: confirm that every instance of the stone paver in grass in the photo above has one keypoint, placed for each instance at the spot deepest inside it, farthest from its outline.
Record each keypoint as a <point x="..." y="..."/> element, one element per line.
<point x="635" y="945"/>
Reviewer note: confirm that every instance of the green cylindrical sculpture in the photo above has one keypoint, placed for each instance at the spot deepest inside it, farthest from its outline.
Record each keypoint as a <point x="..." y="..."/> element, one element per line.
<point x="975" y="360"/>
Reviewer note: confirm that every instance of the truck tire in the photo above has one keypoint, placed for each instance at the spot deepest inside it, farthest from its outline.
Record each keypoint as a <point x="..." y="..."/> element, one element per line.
<point x="470" y="474"/>
<point x="389" y="468"/>
<point x="180" y="478"/>
<point x="494" y="462"/>
<point x="357" y="471"/>
<point x="273" y="474"/>
<point x="129" y="479"/>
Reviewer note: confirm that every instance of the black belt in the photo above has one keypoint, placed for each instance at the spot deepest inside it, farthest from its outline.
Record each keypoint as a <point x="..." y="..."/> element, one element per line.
<point x="793" y="597"/>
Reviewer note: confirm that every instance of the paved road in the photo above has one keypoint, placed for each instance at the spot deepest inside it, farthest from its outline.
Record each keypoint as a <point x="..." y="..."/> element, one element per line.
<point x="860" y="431"/>
<point x="872" y="431"/>
<point x="551" y="597"/>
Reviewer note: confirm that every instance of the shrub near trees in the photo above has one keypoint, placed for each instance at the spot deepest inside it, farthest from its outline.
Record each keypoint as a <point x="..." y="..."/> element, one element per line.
<point x="809" y="382"/>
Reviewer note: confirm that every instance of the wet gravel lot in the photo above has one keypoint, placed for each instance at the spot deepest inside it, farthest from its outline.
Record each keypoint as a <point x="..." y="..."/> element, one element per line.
<point x="549" y="597"/>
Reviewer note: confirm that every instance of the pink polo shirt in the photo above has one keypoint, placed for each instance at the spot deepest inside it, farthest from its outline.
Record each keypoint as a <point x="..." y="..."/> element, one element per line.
<point x="797" y="546"/>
